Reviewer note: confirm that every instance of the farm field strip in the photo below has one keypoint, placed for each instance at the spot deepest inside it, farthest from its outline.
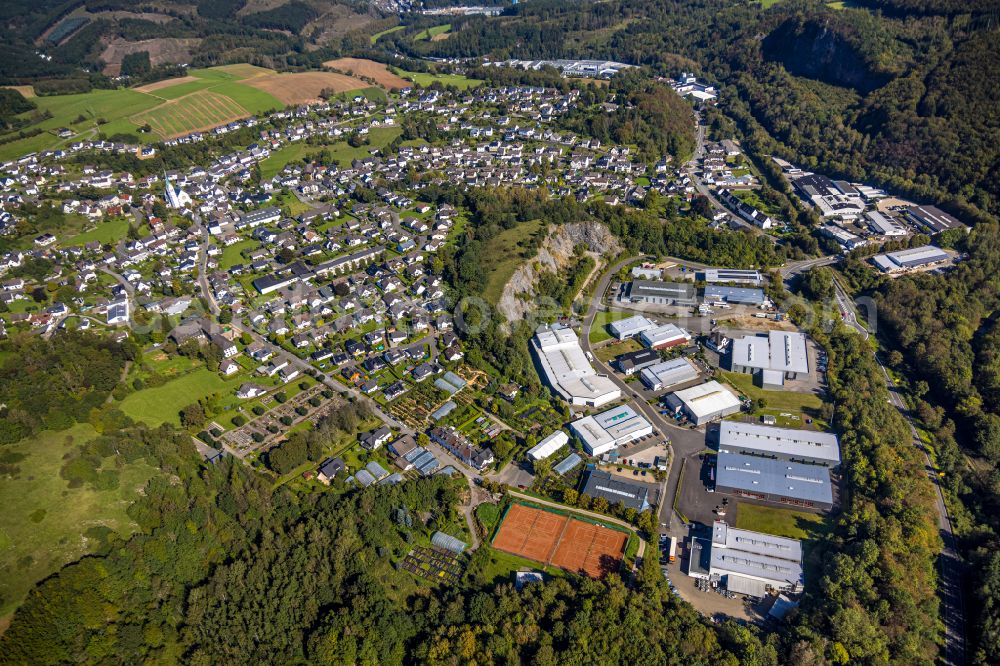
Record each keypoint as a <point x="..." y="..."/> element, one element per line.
<point x="198" y="111"/>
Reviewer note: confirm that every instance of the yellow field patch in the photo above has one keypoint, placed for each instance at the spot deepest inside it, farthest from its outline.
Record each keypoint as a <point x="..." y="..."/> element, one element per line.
<point x="196" y="112"/>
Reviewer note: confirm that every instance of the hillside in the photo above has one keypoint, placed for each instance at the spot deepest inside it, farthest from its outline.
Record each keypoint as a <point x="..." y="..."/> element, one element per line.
<point x="882" y="90"/>
<point x="63" y="46"/>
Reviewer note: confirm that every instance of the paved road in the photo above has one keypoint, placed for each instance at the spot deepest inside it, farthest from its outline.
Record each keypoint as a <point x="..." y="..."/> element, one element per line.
<point x="240" y="327"/>
<point x="683" y="439"/>
<point x="950" y="566"/>
<point x="699" y="184"/>
<point x="849" y="310"/>
<point x="805" y="265"/>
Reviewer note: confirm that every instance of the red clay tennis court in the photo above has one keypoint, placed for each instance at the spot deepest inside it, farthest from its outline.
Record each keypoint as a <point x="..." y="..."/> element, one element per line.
<point x="560" y="540"/>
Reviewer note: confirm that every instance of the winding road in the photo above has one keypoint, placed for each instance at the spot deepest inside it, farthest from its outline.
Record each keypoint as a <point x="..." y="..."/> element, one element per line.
<point x="950" y="565"/>
<point x="240" y="327"/>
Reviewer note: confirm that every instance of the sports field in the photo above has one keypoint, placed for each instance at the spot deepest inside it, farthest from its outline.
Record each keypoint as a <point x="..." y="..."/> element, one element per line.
<point x="560" y="540"/>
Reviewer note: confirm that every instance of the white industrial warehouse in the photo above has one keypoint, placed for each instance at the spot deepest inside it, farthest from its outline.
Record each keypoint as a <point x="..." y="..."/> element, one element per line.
<point x="746" y="562"/>
<point x="781" y="355"/>
<point x="786" y="444"/>
<point x="668" y="373"/>
<point x="568" y="371"/>
<point x="608" y="430"/>
<point x="704" y="402"/>
<point x="661" y="337"/>
<point x="630" y="327"/>
<point x="907" y="260"/>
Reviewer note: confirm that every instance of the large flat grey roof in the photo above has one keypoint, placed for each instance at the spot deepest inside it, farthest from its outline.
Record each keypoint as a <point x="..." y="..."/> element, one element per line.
<point x="662" y="289"/>
<point x="810" y="445"/>
<point x="756" y="555"/>
<point x="734" y="294"/>
<point x="809" y="483"/>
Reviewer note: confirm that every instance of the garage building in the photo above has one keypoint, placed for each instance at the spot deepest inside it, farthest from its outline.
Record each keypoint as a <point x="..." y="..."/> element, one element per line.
<point x="668" y="373"/>
<point x="771" y="480"/>
<point x="608" y="430"/>
<point x="704" y="403"/>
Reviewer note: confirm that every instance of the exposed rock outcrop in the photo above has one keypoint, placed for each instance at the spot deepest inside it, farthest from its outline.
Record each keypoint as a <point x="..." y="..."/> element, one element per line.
<point x="554" y="255"/>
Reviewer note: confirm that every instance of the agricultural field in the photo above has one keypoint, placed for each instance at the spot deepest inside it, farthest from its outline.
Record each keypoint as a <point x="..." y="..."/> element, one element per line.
<point x="80" y="113"/>
<point x="370" y="69"/>
<point x="45" y="523"/>
<point x="425" y="79"/>
<point x="202" y="100"/>
<point x="303" y="87"/>
<point x="196" y="112"/>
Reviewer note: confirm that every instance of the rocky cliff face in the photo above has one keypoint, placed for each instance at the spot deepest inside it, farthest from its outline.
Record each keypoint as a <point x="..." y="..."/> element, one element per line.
<point x="816" y="49"/>
<point x="553" y="256"/>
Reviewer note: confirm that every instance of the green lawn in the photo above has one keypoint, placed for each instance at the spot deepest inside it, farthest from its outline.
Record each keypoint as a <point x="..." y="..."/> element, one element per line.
<point x="292" y="203"/>
<point x="599" y="331"/>
<point x="425" y="79"/>
<point x="378" y="137"/>
<point x="108" y="231"/>
<point x="608" y="352"/>
<point x="231" y="254"/>
<point x="374" y="38"/>
<point x="114" y="106"/>
<point x="430" y="33"/>
<point x="162" y="403"/>
<point x="496" y="566"/>
<point x="788" y="401"/>
<point x="277" y="160"/>
<point x="779" y="522"/>
<point x="502" y="257"/>
<point x="44" y="521"/>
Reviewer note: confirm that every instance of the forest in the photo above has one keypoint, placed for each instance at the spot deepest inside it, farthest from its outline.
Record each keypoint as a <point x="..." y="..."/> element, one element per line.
<point x="51" y="384"/>
<point x="225" y="570"/>
<point x="943" y="335"/>
<point x="899" y="98"/>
